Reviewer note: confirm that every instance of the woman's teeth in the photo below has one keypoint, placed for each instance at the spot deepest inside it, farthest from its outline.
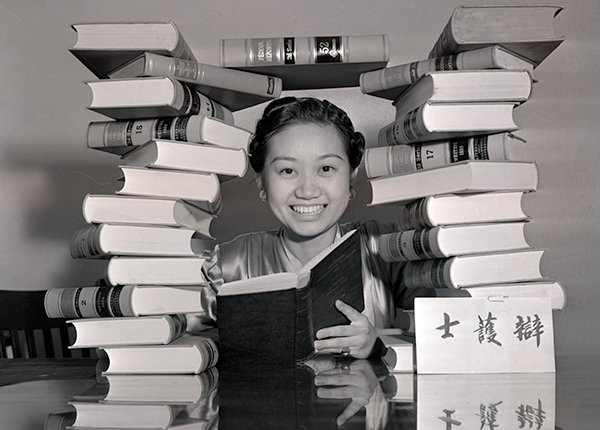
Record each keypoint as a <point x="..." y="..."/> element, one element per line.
<point x="309" y="210"/>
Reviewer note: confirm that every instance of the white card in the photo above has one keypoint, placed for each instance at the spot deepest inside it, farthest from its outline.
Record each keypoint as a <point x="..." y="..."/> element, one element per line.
<point x="484" y="335"/>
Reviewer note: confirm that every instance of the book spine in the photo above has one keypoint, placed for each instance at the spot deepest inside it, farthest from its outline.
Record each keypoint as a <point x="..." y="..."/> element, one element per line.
<point x="85" y="243"/>
<point x="209" y="353"/>
<point x="403" y="130"/>
<point x="88" y="302"/>
<point x="445" y="44"/>
<point x="410" y="245"/>
<point x="432" y="273"/>
<point x="111" y="136"/>
<point x="178" y="325"/>
<point x="279" y="51"/>
<point x="404" y="75"/>
<point x="402" y="159"/>
<point x="414" y="216"/>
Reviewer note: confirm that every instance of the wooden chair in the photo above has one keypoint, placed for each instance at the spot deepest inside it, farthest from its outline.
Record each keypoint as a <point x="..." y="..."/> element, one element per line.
<point x="27" y="332"/>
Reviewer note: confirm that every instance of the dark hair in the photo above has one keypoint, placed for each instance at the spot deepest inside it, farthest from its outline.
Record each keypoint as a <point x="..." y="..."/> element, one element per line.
<point x="306" y="110"/>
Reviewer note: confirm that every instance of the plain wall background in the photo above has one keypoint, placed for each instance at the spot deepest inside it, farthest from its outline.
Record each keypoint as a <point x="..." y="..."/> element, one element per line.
<point x="46" y="169"/>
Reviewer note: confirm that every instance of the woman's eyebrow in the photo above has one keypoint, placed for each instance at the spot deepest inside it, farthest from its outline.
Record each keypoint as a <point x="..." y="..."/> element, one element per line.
<point x="283" y="158"/>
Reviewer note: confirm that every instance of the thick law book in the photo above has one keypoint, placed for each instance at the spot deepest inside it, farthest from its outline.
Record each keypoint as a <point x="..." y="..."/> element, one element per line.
<point x="452" y="209"/>
<point x="400" y="355"/>
<point x="543" y="288"/>
<point x="408" y="158"/>
<point x="173" y="389"/>
<point x="466" y="86"/>
<point x="111" y="415"/>
<point x="273" y="319"/>
<point x="308" y="62"/>
<point x="392" y="81"/>
<point x="188" y="354"/>
<point x="198" y="188"/>
<point x="122" y="209"/>
<point x="151" y="97"/>
<point x="527" y="30"/>
<point x="171" y="271"/>
<point x="439" y="121"/>
<point x="466" y="177"/>
<point x="193" y="157"/>
<point x="448" y="241"/>
<point x="121" y="137"/>
<point x="235" y="89"/>
<point x="104" y="46"/>
<point x="105" y="240"/>
<point x="122" y="301"/>
<point x="144" y="330"/>
<point x="476" y="269"/>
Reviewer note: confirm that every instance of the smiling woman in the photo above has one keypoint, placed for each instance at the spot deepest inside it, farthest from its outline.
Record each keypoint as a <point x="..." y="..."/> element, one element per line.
<point x="306" y="154"/>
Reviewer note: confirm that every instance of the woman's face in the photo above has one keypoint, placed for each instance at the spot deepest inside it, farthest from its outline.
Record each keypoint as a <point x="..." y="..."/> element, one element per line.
<point x="307" y="178"/>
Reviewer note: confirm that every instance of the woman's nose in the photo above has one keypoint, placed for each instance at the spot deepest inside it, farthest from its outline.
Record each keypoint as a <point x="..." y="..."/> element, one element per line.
<point x="308" y="187"/>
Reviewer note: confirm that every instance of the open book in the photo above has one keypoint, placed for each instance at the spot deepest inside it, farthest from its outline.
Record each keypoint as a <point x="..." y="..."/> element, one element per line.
<point x="274" y="318"/>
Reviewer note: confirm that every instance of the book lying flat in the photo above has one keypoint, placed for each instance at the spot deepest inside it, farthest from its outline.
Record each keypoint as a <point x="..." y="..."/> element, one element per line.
<point x="475" y="269"/>
<point x="173" y="271"/>
<point x="400" y="355"/>
<point x="189" y="354"/>
<point x="308" y="62"/>
<point x="392" y="81"/>
<point x="105" y="240"/>
<point x="123" y="301"/>
<point x="235" y="89"/>
<point x="146" y="330"/>
<point x="527" y="30"/>
<point x="105" y="46"/>
<point x="451" y="209"/>
<point x="105" y="415"/>
<point x="460" y="178"/>
<point x="438" y="121"/>
<point x="274" y="318"/>
<point x="199" y="188"/>
<point x="466" y="86"/>
<point x="447" y="241"/>
<point x="192" y="157"/>
<point x="122" y="209"/>
<point x="151" y="97"/>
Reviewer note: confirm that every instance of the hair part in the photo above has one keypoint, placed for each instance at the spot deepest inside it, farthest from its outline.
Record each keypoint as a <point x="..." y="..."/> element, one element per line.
<point x="286" y="111"/>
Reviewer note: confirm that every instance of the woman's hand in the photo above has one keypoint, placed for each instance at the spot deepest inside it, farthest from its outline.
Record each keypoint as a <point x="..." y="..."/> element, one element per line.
<point x="357" y="338"/>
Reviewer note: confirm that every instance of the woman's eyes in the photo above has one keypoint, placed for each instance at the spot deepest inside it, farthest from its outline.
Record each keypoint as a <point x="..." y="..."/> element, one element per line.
<point x="328" y="169"/>
<point x="324" y="170"/>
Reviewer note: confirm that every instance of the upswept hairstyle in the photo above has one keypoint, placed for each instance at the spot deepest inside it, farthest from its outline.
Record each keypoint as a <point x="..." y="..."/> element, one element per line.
<point x="305" y="110"/>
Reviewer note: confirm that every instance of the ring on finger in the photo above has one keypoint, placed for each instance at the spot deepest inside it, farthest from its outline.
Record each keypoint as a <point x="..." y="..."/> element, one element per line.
<point x="346" y="351"/>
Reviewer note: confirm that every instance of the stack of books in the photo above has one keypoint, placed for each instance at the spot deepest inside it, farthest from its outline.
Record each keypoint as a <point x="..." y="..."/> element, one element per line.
<point x="451" y="161"/>
<point x="144" y="401"/>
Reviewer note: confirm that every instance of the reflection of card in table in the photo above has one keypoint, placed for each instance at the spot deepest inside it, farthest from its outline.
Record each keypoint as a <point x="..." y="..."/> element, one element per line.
<point x="484" y="335"/>
<point x="482" y="401"/>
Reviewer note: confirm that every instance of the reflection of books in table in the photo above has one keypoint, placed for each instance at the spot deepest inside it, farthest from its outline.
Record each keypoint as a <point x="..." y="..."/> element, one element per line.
<point x="527" y="30"/>
<point x="123" y="209"/>
<point x="193" y="157"/>
<point x="105" y="415"/>
<point x="122" y="301"/>
<point x="448" y="241"/>
<point x="466" y="177"/>
<point x="452" y="209"/>
<point x="146" y="330"/>
<point x="235" y="89"/>
<point x="154" y="270"/>
<point x="274" y="318"/>
<point x="105" y="46"/>
<point x="151" y="97"/>
<point x="198" y="188"/>
<point x="399" y="387"/>
<point x="188" y="354"/>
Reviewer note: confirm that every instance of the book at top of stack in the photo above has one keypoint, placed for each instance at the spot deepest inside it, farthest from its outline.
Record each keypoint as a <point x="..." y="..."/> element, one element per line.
<point x="308" y="62"/>
<point x="115" y="50"/>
